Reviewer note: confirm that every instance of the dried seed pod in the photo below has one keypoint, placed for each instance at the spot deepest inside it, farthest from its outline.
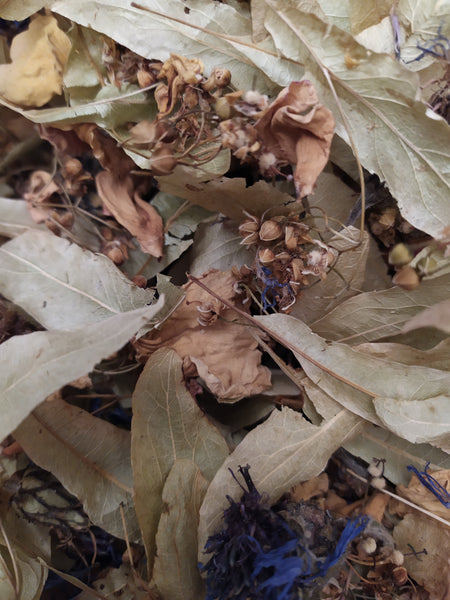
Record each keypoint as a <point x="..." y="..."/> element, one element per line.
<point x="270" y="231"/>
<point x="266" y="256"/>
<point x="290" y="237"/>
<point x="407" y="278"/>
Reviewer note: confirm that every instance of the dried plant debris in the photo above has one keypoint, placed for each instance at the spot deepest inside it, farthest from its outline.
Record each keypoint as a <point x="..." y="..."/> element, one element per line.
<point x="224" y="275"/>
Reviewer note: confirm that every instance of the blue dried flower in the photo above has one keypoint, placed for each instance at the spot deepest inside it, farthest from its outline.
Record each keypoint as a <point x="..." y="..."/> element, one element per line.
<point x="260" y="556"/>
<point x="427" y="480"/>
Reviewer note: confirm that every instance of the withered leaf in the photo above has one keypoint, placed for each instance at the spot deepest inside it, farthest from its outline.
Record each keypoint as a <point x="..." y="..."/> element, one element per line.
<point x="225" y="354"/>
<point x="297" y="128"/>
<point x="167" y="426"/>
<point x="140" y="218"/>
<point x="90" y="457"/>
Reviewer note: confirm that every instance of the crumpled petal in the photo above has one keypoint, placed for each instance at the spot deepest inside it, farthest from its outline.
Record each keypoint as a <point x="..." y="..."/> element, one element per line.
<point x="296" y="128"/>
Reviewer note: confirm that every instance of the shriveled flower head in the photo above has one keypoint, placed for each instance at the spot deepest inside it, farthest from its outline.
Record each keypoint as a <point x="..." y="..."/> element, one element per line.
<point x="273" y="552"/>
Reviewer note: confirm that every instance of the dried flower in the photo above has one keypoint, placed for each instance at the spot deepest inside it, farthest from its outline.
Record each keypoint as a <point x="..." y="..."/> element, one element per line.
<point x="258" y="555"/>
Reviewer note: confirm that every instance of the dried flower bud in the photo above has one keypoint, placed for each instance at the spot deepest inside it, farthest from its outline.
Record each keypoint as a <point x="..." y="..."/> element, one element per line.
<point x="218" y="79"/>
<point x="367" y="546"/>
<point x="400" y="255"/>
<point x="145" y="78"/>
<point x="400" y="575"/>
<point x="267" y="163"/>
<point x="375" y="469"/>
<point x="66" y="220"/>
<point x="116" y="255"/>
<point x="270" y="231"/>
<point x="163" y="162"/>
<point x="140" y="281"/>
<point x="407" y="278"/>
<point x="222" y="108"/>
<point x="266" y="256"/>
<point x="72" y="167"/>
<point x="378" y="482"/>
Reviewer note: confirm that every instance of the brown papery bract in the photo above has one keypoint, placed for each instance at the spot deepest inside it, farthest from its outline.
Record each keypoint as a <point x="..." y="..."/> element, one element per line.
<point x="297" y="128"/>
<point x="225" y="354"/>
<point x="140" y="218"/>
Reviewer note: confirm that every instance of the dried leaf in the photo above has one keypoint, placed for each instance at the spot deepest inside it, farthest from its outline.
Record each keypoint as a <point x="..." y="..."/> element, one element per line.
<point x="15" y="218"/>
<point x="140" y="218"/>
<point x="419" y="494"/>
<point x="393" y="132"/>
<point x="176" y="572"/>
<point x="33" y="366"/>
<point x="217" y="245"/>
<point x="342" y="282"/>
<point x="31" y="574"/>
<point x="63" y="286"/>
<point x="353" y="379"/>
<point x="281" y="452"/>
<point x="12" y="11"/>
<point x="296" y="128"/>
<point x="38" y="57"/>
<point x="426" y="420"/>
<point x="89" y="456"/>
<point x="374" y="315"/>
<point x="225" y="354"/>
<point x="436" y="358"/>
<point x="437" y="316"/>
<point x="227" y="196"/>
<point x="170" y="29"/>
<point x="167" y="426"/>
<point x="432" y="571"/>
<point x="398" y="452"/>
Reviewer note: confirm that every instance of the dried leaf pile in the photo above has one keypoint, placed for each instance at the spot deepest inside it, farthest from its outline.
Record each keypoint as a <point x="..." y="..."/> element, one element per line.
<point x="224" y="309"/>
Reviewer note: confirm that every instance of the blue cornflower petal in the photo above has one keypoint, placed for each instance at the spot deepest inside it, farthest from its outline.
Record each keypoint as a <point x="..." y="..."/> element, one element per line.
<point x="432" y="484"/>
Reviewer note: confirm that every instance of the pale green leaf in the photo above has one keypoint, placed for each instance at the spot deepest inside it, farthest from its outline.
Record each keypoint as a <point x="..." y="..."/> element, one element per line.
<point x="399" y="453"/>
<point x="35" y="365"/>
<point x="63" y="286"/>
<point x="15" y="218"/>
<point x="167" y="426"/>
<point x="176" y="572"/>
<point x="217" y="245"/>
<point x="355" y="379"/>
<point x="156" y="36"/>
<point x="89" y="456"/>
<point x="375" y="315"/>
<point x="281" y="452"/>
<point x="395" y="135"/>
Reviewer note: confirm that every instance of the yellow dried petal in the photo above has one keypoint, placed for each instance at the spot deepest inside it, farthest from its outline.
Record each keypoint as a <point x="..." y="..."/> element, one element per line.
<point x="38" y="58"/>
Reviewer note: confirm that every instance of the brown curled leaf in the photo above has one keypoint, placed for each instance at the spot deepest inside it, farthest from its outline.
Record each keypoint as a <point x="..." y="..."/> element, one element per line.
<point x="297" y="128"/>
